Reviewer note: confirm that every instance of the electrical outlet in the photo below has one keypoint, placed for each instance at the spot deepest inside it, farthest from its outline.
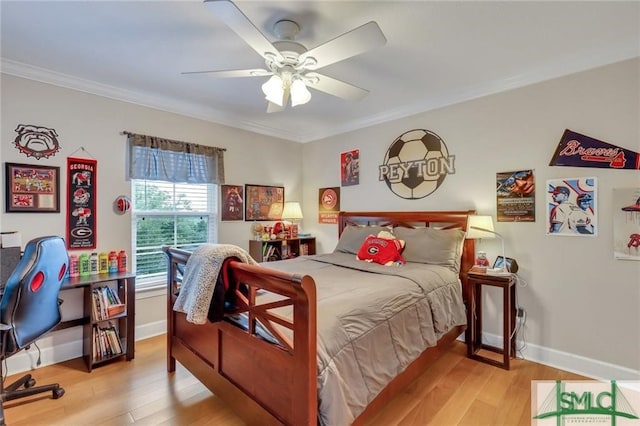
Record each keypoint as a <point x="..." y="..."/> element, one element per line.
<point x="519" y="312"/>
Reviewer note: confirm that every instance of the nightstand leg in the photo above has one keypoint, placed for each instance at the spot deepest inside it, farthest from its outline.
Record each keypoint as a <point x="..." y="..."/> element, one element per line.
<point x="506" y="327"/>
<point x="471" y="319"/>
<point x="512" y="292"/>
<point x="468" y="337"/>
<point x="477" y="338"/>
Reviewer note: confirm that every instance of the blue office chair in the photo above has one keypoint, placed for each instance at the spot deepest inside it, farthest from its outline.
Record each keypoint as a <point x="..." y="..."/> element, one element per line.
<point x="30" y="308"/>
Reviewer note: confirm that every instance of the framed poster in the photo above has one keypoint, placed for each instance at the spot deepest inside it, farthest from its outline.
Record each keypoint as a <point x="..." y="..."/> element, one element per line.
<point x="263" y="202"/>
<point x="350" y="168"/>
<point x="516" y="196"/>
<point x="571" y="207"/>
<point x="231" y="202"/>
<point x="329" y="205"/>
<point x="32" y="189"/>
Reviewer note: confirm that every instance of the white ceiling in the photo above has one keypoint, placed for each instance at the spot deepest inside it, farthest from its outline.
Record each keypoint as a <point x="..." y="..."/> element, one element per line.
<point x="437" y="53"/>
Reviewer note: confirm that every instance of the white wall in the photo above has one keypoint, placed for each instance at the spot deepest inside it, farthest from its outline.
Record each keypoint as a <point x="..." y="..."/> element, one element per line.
<point x="582" y="305"/>
<point x="579" y="300"/>
<point x="96" y="123"/>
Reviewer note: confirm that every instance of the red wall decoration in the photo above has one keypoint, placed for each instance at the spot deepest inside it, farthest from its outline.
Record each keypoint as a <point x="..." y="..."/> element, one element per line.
<point x="81" y="203"/>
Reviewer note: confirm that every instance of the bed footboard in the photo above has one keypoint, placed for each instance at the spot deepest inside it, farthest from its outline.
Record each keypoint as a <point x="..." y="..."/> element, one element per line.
<point x="265" y="383"/>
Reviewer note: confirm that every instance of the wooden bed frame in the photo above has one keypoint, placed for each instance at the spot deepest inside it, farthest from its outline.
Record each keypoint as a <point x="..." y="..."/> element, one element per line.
<point x="276" y="384"/>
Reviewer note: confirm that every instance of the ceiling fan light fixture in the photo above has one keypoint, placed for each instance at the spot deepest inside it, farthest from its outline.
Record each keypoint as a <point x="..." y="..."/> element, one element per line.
<point x="273" y="90"/>
<point x="299" y="93"/>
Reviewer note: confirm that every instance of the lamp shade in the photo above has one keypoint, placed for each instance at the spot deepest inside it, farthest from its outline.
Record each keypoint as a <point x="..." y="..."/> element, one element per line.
<point x="299" y="93"/>
<point x="273" y="90"/>
<point x="292" y="210"/>
<point x="480" y="227"/>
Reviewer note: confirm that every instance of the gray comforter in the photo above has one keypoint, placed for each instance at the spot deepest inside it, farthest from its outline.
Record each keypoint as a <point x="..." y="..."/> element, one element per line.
<point x="373" y="321"/>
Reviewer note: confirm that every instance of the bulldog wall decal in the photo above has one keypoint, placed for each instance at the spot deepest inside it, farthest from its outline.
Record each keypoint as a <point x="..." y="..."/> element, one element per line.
<point x="36" y="141"/>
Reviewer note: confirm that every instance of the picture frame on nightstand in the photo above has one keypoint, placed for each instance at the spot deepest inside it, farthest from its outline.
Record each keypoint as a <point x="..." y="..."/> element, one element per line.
<point x="512" y="265"/>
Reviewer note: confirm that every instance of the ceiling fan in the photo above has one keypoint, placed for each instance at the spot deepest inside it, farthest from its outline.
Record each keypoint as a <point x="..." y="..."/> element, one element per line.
<point x="291" y="66"/>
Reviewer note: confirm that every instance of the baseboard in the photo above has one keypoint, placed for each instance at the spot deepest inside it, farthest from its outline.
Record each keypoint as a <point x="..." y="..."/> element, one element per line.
<point x="52" y="352"/>
<point x="150" y="330"/>
<point x="567" y="361"/>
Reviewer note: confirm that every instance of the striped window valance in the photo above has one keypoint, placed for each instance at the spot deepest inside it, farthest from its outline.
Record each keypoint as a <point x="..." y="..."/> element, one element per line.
<point x="154" y="158"/>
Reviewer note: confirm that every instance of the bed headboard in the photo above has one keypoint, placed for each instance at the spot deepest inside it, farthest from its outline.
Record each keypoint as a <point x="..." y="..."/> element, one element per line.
<point x="431" y="219"/>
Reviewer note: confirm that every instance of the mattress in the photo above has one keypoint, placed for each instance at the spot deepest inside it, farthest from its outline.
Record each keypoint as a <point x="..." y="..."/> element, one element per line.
<point x="373" y="321"/>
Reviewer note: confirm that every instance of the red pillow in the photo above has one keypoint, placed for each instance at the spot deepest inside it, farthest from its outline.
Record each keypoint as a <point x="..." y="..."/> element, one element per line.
<point x="381" y="250"/>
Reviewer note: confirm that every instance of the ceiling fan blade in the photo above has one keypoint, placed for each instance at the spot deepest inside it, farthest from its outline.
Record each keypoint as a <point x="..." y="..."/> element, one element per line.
<point x="257" y="72"/>
<point x="352" y="43"/>
<point x="335" y="87"/>
<point x="238" y="22"/>
<point x="271" y="107"/>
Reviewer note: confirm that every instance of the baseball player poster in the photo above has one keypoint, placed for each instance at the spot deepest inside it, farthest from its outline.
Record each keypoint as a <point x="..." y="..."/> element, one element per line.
<point x="81" y="203"/>
<point x="572" y="207"/>
<point x="516" y="196"/>
<point x="350" y="168"/>
<point x="626" y="223"/>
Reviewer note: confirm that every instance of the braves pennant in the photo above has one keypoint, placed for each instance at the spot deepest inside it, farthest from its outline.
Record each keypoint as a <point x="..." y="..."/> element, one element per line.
<point x="81" y="203"/>
<point x="579" y="150"/>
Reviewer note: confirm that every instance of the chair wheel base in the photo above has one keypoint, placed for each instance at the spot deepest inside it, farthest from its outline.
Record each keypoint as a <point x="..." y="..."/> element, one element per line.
<point x="30" y="383"/>
<point x="57" y="393"/>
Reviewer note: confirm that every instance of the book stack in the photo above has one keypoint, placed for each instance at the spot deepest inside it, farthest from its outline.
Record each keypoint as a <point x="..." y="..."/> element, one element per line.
<point x="106" y="342"/>
<point x="106" y="303"/>
<point x="304" y="249"/>
<point x="270" y="252"/>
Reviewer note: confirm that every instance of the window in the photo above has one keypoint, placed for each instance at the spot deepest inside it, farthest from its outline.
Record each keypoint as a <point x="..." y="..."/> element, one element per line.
<point x="169" y="214"/>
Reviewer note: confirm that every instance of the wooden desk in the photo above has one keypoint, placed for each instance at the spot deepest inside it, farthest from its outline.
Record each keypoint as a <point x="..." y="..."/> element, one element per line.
<point x="126" y="287"/>
<point x="474" y="342"/>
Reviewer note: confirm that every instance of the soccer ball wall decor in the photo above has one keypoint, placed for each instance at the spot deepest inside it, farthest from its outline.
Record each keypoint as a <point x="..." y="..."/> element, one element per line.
<point x="416" y="164"/>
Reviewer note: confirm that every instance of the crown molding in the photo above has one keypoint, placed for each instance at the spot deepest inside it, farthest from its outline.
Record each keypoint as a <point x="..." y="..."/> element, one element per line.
<point x="571" y="65"/>
<point x="163" y="103"/>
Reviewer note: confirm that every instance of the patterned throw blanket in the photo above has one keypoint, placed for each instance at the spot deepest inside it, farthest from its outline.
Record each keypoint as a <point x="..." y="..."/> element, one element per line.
<point x="200" y="276"/>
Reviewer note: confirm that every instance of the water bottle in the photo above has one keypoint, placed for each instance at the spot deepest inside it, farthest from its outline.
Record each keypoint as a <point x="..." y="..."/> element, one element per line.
<point x="122" y="261"/>
<point x="74" y="267"/>
<point x="103" y="263"/>
<point x="85" y="265"/>
<point x="93" y="261"/>
<point x="113" y="262"/>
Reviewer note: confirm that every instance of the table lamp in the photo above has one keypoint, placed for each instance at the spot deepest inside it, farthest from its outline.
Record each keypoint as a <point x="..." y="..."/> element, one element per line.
<point x="292" y="212"/>
<point x="479" y="226"/>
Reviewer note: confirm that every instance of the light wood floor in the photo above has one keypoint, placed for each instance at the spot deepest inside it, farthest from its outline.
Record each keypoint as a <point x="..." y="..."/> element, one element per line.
<point x="454" y="391"/>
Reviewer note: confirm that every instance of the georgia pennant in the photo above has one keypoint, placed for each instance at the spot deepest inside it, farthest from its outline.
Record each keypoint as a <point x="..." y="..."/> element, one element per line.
<point x="81" y="203"/>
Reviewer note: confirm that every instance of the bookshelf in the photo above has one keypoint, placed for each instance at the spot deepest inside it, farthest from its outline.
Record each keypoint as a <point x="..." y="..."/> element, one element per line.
<point x="107" y="310"/>
<point x="268" y="251"/>
<point x="109" y="314"/>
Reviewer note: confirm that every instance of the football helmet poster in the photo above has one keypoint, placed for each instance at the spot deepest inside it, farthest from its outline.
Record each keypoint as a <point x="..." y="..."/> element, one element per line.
<point x="572" y="207"/>
<point x="81" y="203"/>
<point x="516" y="196"/>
